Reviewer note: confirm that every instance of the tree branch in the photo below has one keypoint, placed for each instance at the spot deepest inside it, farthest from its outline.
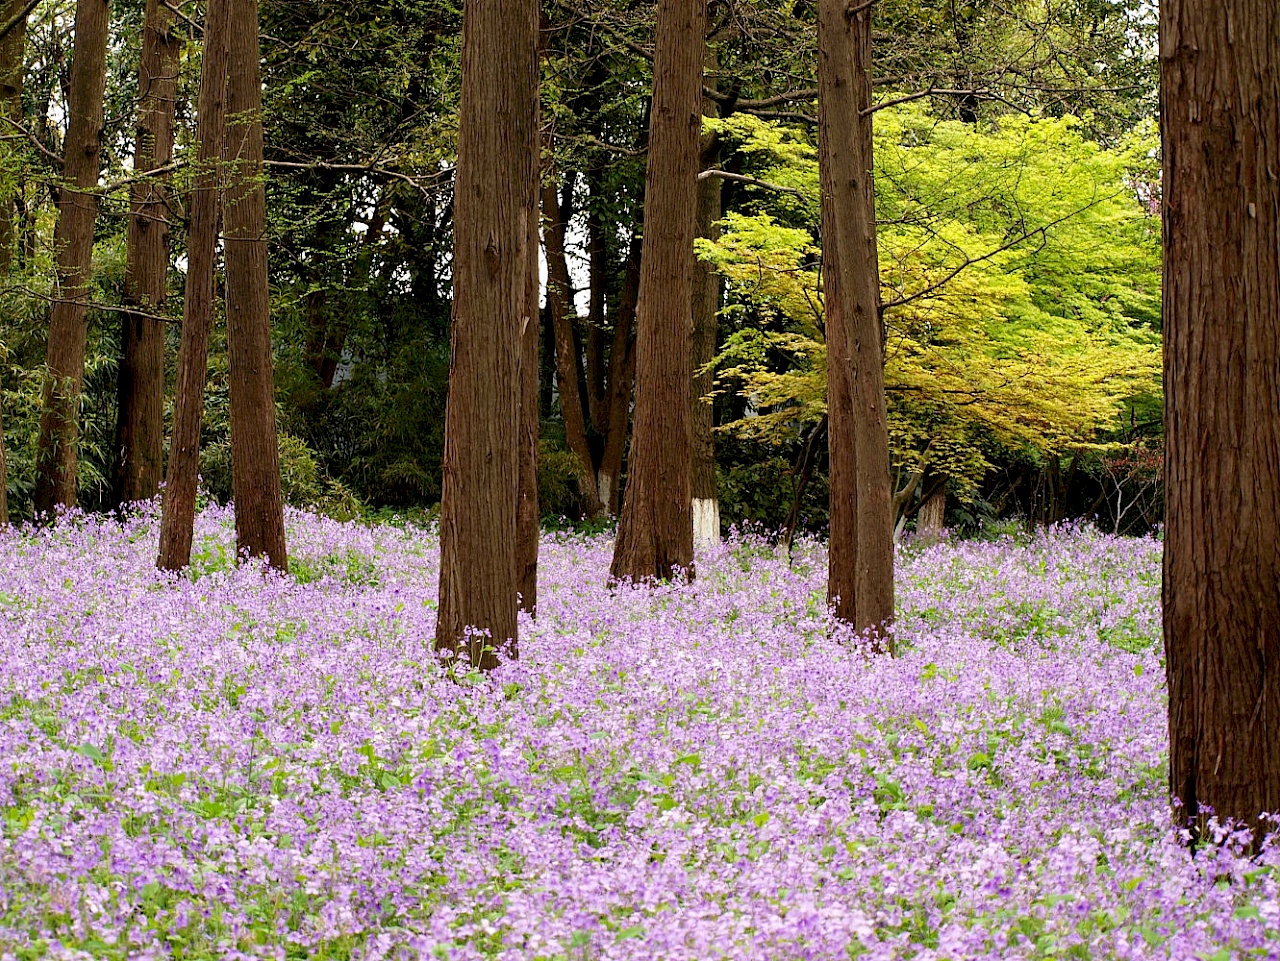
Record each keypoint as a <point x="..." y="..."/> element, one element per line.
<point x="744" y="179"/>
<point x="1041" y="232"/>
<point x="18" y="19"/>
<point x="921" y="94"/>
<point x="91" y="305"/>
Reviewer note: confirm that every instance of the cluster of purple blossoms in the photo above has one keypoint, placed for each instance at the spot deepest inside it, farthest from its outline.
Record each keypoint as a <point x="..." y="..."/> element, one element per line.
<point x="232" y="764"/>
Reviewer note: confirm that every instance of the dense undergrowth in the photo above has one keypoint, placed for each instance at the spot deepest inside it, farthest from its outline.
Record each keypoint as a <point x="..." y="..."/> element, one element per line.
<point x="233" y="765"/>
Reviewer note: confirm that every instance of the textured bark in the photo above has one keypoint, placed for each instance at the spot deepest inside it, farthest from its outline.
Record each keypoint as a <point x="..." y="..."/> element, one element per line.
<point x="178" y="517"/>
<point x="931" y="518"/>
<point x="527" y="514"/>
<point x="12" y="50"/>
<point x="860" y="583"/>
<point x="655" y="530"/>
<point x="562" y="315"/>
<point x="1220" y="104"/>
<point x="706" y="311"/>
<point x="494" y="201"/>
<point x="73" y="242"/>
<point x="255" y="451"/>
<point x="140" y="419"/>
<point x="12" y="73"/>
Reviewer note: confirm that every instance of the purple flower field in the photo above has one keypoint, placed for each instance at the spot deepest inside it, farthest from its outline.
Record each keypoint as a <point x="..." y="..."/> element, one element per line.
<point x="232" y="765"/>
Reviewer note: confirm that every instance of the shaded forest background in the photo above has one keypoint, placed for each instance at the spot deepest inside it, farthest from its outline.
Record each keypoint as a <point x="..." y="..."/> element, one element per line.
<point x="1018" y="199"/>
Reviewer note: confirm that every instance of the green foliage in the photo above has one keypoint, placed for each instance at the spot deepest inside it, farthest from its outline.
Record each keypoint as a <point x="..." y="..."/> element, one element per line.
<point x="1020" y="277"/>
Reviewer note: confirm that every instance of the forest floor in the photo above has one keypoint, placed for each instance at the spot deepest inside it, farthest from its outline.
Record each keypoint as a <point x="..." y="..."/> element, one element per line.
<point x="233" y="765"/>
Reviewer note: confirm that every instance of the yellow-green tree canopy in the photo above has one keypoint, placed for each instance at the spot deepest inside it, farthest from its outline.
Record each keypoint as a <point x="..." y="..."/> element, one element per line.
<point x="1020" y="275"/>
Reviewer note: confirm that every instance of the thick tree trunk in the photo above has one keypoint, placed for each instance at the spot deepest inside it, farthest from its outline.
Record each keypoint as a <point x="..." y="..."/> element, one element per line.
<point x="860" y="585"/>
<point x="494" y="202"/>
<point x="255" y="451"/>
<point x="178" y="518"/>
<point x="706" y="316"/>
<point x="528" y="516"/>
<point x="655" y="531"/>
<point x="932" y="516"/>
<point x="1220" y="104"/>
<point x="73" y="242"/>
<point x="140" y="418"/>
<point x="12" y="73"/>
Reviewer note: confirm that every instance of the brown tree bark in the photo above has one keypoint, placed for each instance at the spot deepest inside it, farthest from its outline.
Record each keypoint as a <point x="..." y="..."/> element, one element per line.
<point x="1220" y="106"/>
<point x="932" y="516"/>
<point x="12" y="73"/>
<point x="495" y="200"/>
<point x="140" y="420"/>
<point x="655" y="530"/>
<point x="255" y="451"/>
<point x="706" y="317"/>
<point x="73" y="241"/>
<point x="860" y="579"/>
<point x="178" y="516"/>
<point x="528" y="516"/>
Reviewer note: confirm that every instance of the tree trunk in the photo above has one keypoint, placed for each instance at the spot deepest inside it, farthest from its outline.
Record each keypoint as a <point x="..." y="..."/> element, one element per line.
<point x="860" y="585"/>
<point x="560" y="307"/>
<point x="494" y="202"/>
<point x="1220" y="100"/>
<point x="527" y="514"/>
<point x="178" y="517"/>
<point x="706" y="315"/>
<point x="140" y="417"/>
<point x="255" y="451"/>
<point x="622" y="372"/>
<point x="931" y="518"/>
<point x="597" y="304"/>
<point x="73" y="243"/>
<point x="12" y="73"/>
<point x="655" y="531"/>
<point x="803" y="473"/>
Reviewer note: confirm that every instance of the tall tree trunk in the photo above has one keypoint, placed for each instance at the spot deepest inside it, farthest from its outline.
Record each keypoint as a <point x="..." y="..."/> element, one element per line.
<point x="655" y="531"/>
<point x="562" y="315"/>
<point x="140" y="418"/>
<point x="706" y="315"/>
<point x="597" y="304"/>
<point x="494" y="202"/>
<point x="622" y="373"/>
<point x="12" y="73"/>
<point x="1220" y="105"/>
<point x="860" y="583"/>
<point x="255" y="451"/>
<point x="73" y="241"/>
<point x="178" y="517"/>
<point x="528" y="516"/>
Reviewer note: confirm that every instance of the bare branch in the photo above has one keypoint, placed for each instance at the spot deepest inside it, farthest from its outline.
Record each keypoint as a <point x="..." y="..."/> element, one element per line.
<point x="930" y="92"/>
<point x="744" y="179"/>
<point x="92" y="305"/>
<point x="1041" y="232"/>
